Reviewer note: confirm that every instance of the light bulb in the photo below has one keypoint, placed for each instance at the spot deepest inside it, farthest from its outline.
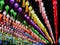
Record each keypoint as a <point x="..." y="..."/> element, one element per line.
<point x="42" y="4"/>
<point x="43" y="9"/>
<point x="8" y="16"/>
<point x="18" y="22"/>
<point x="32" y="12"/>
<point x="4" y="13"/>
<point x="11" y="18"/>
<point x="30" y="8"/>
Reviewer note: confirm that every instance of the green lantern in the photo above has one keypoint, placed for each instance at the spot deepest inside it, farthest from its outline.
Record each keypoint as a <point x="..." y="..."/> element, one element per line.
<point x="25" y="23"/>
<point x="7" y="8"/>
<point x="14" y="14"/>
<point x="11" y="12"/>
<point x="35" y="31"/>
<point x="1" y="4"/>
<point x="43" y="38"/>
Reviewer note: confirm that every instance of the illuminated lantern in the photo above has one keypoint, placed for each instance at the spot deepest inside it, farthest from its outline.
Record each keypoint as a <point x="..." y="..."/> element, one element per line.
<point x="12" y="2"/>
<point x="6" y="8"/>
<point x="23" y="3"/>
<point x="27" y="4"/>
<point x="4" y="13"/>
<point x="33" y="24"/>
<point x="19" y="10"/>
<point x="16" y="6"/>
<point x="11" y="12"/>
<point x="14" y="13"/>
<point x="55" y="12"/>
<point x="44" y="15"/>
<point x="1" y="5"/>
<point x="30" y="8"/>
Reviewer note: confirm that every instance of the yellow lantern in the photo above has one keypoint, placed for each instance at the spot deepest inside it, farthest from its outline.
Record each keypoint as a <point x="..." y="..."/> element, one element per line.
<point x="27" y="4"/>
<point x="23" y="3"/>
<point x="30" y="8"/>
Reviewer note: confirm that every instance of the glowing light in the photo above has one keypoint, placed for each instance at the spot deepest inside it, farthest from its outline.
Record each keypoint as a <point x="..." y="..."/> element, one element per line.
<point x="55" y="12"/>
<point x="23" y="3"/>
<point x="27" y="4"/>
<point x="35" y="31"/>
<point x="1" y="4"/>
<point x="39" y="23"/>
<point x="7" y="8"/>
<point x="44" y="15"/>
<point x="11" y="12"/>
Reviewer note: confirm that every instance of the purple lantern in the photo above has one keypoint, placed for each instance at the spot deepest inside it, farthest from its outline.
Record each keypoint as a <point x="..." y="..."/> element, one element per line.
<point x="16" y="5"/>
<point x="12" y="1"/>
<point x="19" y="9"/>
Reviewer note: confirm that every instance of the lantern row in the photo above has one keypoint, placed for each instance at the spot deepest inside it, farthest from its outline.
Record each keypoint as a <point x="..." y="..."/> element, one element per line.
<point x="55" y="13"/>
<point x="35" y="18"/>
<point x="44" y="15"/>
<point x="16" y="6"/>
<point x="12" y="11"/>
<point x="20" y="28"/>
<point x="27" y="4"/>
